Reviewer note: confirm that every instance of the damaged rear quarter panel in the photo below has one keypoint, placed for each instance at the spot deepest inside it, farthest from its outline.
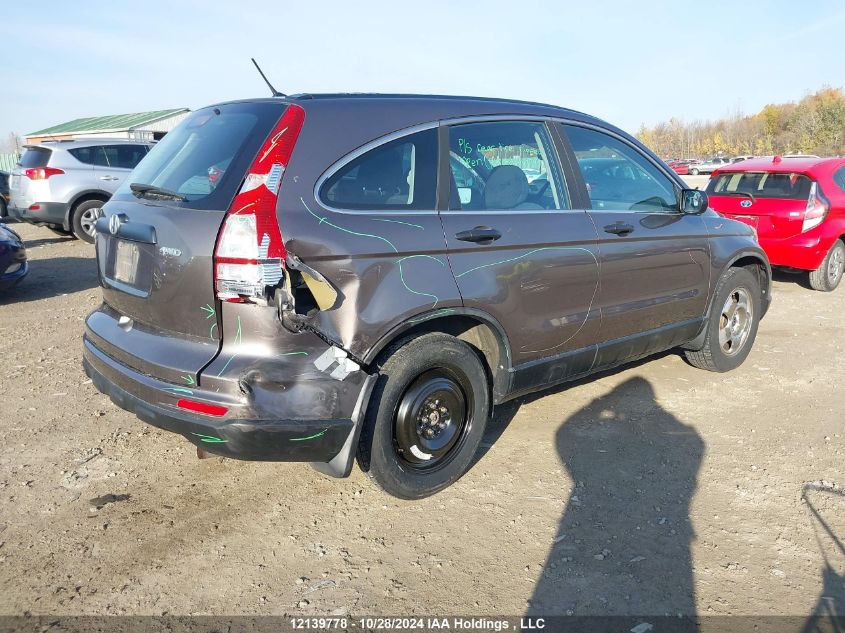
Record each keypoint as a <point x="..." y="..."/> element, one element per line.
<point x="273" y="372"/>
<point x="387" y="267"/>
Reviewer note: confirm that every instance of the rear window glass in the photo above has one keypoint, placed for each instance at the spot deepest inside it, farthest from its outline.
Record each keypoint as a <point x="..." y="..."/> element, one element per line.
<point x="839" y="178"/>
<point x="401" y="174"/>
<point x="786" y="186"/>
<point x="206" y="156"/>
<point x="36" y="157"/>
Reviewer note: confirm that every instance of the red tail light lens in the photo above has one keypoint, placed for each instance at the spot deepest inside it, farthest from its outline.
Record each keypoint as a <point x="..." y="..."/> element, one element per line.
<point x="817" y="208"/>
<point x="41" y="173"/>
<point x="250" y="254"/>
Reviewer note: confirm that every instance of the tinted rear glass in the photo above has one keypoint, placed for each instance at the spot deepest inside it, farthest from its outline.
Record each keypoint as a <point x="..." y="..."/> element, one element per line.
<point x="206" y="156"/>
<point x="785" y="186"/>
<point x="839" y="178"/>
<point x="36" y="157"/>
<point x="401" y="174"/>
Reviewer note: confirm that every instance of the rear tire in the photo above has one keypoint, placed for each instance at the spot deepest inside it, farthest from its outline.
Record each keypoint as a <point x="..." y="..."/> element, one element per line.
<point x="83" y="218"/>
<point x="732" y="325"/>
<point x="827" y="276"/>
<point x="426" y="417"/>
<point x="4" y="211"/>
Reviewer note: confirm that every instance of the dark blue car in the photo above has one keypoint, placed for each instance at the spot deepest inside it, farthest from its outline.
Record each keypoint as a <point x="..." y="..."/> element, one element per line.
<point x="13" y="266"/>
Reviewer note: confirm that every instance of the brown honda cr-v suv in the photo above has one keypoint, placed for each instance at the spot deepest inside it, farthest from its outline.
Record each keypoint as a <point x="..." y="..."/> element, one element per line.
<point x="329" y="277"/>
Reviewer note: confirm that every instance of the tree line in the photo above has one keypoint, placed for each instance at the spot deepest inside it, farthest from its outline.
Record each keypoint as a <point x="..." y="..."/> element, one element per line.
<point x="814" y="125"/>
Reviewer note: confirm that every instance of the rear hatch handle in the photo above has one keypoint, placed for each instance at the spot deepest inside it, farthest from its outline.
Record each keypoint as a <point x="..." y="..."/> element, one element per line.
<point x="118" y="225"/>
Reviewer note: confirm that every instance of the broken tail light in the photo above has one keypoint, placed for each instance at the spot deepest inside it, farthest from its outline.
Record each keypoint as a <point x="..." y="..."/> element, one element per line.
<point x="817" y="208"/>
<point x="249" y="255"/>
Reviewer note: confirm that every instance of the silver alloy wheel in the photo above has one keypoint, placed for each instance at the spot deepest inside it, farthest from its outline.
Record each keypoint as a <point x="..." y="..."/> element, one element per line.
<point x="735" y="321"/>
<point x="835" y="266"/>
<point x="88" y="220"/>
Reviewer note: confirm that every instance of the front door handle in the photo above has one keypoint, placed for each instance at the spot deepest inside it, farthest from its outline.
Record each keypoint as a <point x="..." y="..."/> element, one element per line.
<point x="479" y="235"/>
<point x="619" y="228"/>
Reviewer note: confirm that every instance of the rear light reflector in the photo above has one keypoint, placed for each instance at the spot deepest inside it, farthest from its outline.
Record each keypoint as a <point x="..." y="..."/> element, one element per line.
<point x="249" y="255"/>
<point x="817" y="208"/>
<point x="202" y="407"/>
<point x="41" y="173"/>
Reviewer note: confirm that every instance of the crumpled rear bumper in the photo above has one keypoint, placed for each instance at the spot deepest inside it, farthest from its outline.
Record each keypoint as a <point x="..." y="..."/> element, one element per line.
<point x="154" y="402"/>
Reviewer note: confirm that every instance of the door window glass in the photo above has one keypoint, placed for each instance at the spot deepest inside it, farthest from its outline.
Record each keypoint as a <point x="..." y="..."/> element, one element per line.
<point x="505" y="165"/>
<point x="618" y="177"/>
<point x="401" y="174"/>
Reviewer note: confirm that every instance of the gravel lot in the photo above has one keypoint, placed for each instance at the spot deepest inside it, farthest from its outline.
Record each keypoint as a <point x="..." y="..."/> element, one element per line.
<point x="655" y="489"/>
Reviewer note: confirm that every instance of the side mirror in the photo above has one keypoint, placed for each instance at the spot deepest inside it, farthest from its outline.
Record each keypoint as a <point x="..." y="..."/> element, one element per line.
<point x="693" y="201"/>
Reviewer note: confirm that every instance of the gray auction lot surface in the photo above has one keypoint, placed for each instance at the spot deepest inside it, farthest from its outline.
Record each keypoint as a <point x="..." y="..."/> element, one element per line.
<point x="655" y="489"/>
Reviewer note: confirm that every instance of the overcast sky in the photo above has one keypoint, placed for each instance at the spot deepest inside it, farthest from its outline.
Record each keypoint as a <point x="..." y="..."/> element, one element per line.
<point x="628" y="62"/>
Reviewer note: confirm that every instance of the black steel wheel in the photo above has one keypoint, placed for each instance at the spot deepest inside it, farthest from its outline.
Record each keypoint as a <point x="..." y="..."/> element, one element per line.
<point x="426" y="416"/>
<point x="432" y="420"/>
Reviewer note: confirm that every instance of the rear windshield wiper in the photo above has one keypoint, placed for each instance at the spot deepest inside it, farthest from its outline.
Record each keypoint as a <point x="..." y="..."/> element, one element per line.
<point x="744" y="194"/>
<point x="151" y="191"/>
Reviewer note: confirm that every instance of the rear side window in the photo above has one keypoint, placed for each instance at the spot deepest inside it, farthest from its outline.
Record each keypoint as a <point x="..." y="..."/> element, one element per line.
<point x="839" y="179"/>
<point x="205" y="157"/>
<point x="618" y="177"/>
<point x="401" y="174"/>
<point x="785" y="186"/>
<point x="504" y="165"/>
<point x="36" y="157"/>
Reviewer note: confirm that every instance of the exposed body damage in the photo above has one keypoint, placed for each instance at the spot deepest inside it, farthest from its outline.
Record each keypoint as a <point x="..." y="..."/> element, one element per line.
<point x="258" y="314"/>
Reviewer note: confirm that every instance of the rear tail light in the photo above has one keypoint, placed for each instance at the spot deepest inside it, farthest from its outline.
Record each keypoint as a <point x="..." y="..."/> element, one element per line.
<point x="817" y="208"/>
<point x="250" y="254"/>
<point x="41" y="173"/>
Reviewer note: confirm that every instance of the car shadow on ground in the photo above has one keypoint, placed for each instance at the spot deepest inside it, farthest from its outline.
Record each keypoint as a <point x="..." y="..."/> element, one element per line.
<point x="800" y="278"/>
<point x="623" y="543"/>
<point x="822" y="500"/>
<point x="504" y="414"/>
<point x="48" y="241"/>
<point x="53" y="277"/>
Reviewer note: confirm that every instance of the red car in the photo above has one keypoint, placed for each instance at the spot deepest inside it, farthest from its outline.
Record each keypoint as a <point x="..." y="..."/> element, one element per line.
<point x="797" y="207"/>
<point x="679" y="167"/>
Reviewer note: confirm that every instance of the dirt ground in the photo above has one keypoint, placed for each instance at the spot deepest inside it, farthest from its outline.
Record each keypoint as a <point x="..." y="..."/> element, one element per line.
<point x="655" y="489"/>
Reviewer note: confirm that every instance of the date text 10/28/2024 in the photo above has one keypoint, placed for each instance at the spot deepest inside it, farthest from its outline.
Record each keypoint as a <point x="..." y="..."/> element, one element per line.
<point x="416" y="624"/>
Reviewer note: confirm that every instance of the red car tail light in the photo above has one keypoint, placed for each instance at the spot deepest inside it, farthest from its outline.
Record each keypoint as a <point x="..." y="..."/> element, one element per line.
<point x="41" y="173"/>
<point x="817" y="208"/>
<point x="250" y="254"/>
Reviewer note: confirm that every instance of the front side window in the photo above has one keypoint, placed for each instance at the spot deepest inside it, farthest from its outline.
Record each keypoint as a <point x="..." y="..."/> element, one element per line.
<point x="400" y="174"/>
<point x="505" y="165"/>
<point x="617" y="176"/>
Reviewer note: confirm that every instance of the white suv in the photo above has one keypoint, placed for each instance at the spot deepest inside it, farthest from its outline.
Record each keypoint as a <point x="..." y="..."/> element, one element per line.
<point x="63" y="184"/>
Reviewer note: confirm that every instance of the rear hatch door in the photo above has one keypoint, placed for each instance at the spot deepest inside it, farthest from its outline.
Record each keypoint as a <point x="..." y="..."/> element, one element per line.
<point x="154" y="251"/>
<point x="19" y="184"/>
<point x="773" y="203"/>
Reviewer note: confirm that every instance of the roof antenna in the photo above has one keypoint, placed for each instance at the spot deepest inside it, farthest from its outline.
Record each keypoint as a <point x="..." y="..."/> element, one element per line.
<point x="275" y="92"/>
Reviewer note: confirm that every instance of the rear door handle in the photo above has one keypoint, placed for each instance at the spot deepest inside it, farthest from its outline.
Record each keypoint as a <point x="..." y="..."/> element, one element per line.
<point x="619" y="228"/>
<point x="109" y="178"/>
<point x="479" y="235"/>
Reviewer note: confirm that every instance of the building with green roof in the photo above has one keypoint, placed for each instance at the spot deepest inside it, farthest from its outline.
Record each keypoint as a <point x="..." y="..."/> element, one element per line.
<point x="139" y="126"/>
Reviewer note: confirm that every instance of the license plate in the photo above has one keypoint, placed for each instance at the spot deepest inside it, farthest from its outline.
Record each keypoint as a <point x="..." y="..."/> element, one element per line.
<point x="126" y="262"/>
